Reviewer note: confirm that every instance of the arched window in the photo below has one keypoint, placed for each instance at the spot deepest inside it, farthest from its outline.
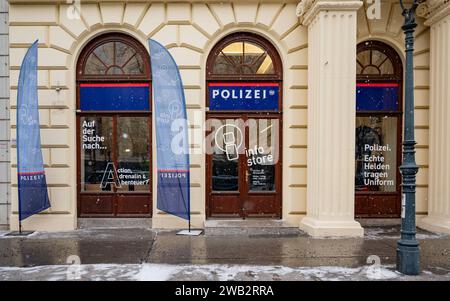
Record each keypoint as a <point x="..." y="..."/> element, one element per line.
<point x="114" y="128"/>
<point x="378" y="130"/>
<point x="114" y="57"/>
<point x="244" y="56"/>
<point x="376" y="60"/>
<point x="244" y="108"/>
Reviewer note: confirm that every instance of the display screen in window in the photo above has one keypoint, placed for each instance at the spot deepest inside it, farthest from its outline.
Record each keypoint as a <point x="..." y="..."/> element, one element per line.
<point x="376" y="154"/>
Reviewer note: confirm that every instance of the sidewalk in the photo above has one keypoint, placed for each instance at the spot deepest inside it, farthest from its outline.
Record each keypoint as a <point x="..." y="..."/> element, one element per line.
<point x="140" y="254"/>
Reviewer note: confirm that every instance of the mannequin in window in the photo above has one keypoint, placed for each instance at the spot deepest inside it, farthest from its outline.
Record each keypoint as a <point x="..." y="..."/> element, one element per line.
<point x="365" y="135"/>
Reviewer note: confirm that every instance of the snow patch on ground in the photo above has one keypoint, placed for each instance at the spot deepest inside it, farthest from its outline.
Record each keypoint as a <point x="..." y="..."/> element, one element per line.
<point x="166" y="272"/>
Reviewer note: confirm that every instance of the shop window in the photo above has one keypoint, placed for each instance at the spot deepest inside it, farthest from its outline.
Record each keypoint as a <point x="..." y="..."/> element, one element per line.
<point x="114" y="128"/>
<point x="378" y="130"/>
<point x="244" y="109"/>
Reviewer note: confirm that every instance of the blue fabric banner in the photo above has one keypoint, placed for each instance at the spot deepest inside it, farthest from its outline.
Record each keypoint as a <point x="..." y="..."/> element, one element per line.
<point x="33" y="195"/>
<point x="244" y="96"/>
<point x="171" y="134"/>
<point x="115" y="97"/>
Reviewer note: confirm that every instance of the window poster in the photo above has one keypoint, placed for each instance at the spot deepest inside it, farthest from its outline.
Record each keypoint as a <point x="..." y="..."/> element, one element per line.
<point x="376" y="154"/>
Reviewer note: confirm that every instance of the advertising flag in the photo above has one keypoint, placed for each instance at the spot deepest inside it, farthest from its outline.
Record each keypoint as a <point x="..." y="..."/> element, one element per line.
<point x="32" y="184"/>
<point x="171" y="134"/>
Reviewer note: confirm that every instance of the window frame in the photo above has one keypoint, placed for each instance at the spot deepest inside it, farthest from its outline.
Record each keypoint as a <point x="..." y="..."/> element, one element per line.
<point x="397" y="77"/>
<point x="239" y="38"/>
<point x="107" y="38"/>
<point x="117" y="198"/>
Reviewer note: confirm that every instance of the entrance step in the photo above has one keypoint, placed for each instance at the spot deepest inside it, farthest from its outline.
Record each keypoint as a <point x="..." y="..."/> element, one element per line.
<point x="379" y="222"/>
<point x="102" y="223"/>
<point x="249" y="227"/>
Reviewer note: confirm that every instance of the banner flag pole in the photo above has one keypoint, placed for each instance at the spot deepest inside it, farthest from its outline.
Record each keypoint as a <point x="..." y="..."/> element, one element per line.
<point x="172" y="139"/>
<point x="31" y="180"/>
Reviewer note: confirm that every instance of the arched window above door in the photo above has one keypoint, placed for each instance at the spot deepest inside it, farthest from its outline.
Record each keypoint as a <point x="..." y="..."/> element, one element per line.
<point x="378" y="131"/>
<point x="244" y="56"/>
<point x="114" y="57"/>
<point x="378" y="60"/>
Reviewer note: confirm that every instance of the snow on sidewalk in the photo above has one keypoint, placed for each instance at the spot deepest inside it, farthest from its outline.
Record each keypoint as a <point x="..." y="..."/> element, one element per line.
<point x="165" y="272"/>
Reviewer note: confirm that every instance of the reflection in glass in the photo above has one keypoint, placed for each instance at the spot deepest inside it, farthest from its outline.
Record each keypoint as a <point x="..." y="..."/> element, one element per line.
<point x="376" y="154"/>
<point x="133" y="146"/>
<point x="225" y="157"/>
<point x="96" y="152"/>
<point x="243" y="58"/>
<point x="114" y="58"/>
<point x="374" y="62"/>
<point x="262" y="154"/>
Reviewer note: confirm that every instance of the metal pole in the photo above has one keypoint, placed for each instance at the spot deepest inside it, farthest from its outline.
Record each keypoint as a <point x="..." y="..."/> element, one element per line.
<point x="408" y="247"/>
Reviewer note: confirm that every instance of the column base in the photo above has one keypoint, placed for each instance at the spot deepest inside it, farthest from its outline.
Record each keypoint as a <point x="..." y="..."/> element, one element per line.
<point x="435" y="224"/>
<point x="318" y="228"/>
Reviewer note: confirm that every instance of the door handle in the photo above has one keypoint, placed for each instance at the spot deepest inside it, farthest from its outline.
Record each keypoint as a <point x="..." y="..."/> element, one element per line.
<point x="97" y="201"/>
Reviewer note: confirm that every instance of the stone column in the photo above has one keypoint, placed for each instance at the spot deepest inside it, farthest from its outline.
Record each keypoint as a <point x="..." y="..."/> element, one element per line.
<point x="438" y="219"/>
<point x="331" y="117"/>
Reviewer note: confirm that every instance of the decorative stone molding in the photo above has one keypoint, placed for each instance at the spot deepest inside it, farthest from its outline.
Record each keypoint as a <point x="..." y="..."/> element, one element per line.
<point x="308" y="9"/>
<point x="433" y="10"/>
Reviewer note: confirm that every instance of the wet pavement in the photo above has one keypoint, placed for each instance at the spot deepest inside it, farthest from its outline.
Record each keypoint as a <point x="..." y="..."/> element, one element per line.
<point x="128" y="253"/>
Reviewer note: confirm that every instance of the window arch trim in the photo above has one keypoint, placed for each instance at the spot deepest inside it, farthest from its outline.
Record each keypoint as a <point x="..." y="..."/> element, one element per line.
<point x="250" y="38"/>
<point x="391" y="55"/>
<point x="107" y="38"/>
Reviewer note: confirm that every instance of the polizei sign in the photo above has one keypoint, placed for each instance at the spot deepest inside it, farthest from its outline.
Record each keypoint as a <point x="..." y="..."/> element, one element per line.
<point x="243" y="96"/>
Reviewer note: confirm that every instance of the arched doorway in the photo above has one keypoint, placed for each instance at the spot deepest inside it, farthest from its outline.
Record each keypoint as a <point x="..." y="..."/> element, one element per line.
<point x="114" y="128"/>
<point x="244" y="115"/>
<point x="378" y="131"/>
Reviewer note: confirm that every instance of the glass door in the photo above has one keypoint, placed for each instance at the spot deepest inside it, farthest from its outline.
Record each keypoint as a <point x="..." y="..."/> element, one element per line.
<point x="263" y="168"/>
<point x="115" y="166"/>
<point x="244" y="167"/>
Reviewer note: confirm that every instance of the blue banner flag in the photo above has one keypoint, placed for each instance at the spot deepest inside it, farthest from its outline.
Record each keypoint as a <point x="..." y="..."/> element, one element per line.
<point x="33" y="195"/>
<point x="171" y="134"/>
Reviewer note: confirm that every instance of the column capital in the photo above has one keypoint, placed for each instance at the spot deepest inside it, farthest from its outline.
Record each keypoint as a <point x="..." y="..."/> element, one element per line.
<point x="434" y="10"/>
<point x="308" y="9"/>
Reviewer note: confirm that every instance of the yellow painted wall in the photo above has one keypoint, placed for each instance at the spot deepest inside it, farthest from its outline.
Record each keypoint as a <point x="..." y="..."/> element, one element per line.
<point x="189" y="30"/>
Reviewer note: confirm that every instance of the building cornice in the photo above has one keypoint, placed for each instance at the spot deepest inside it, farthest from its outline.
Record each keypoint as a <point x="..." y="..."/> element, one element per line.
<point x="434" y="10"/>
<point x="140" y="1"/>
<point x="308" y="9"/>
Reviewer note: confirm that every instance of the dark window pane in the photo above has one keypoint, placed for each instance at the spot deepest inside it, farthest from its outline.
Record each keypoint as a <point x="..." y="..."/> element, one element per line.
<point x="123" y="53"/>
<point x="114" y="70"/>
<point x="134" y="66"/>
<point x="114" y="58"/>
<point x="94" y="66"/>
<point x="262" y="154"/>
<point x="133" y="146"/>
<point x="105" y="53"/>
<point x="97" y="167"/>
<point x="374" y="62"/>
<point x="225" y="159"/>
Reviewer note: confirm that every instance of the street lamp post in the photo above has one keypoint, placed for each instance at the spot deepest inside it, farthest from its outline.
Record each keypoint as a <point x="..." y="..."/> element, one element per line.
<point x="407" y="246"/>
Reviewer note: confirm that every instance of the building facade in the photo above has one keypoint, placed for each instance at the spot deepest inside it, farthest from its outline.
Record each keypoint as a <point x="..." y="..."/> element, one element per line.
<point x="331" y="128"/>
<point x="5" y="182"/>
